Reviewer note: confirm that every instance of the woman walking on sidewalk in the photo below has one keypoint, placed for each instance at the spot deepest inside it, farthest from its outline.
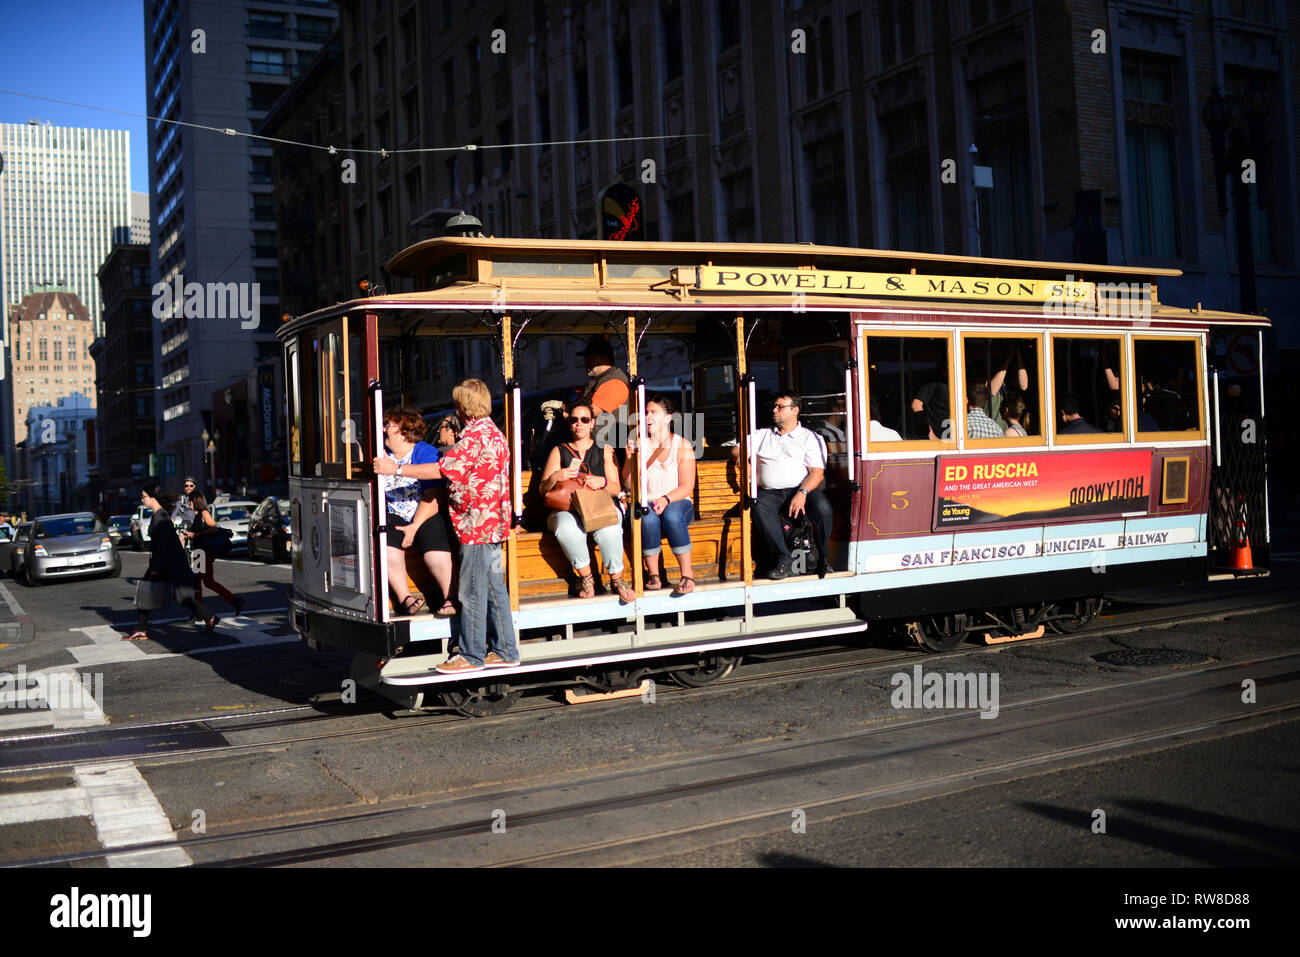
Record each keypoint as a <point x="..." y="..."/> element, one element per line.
<point x="211" y="540"/>
<point x="168" y="563"/>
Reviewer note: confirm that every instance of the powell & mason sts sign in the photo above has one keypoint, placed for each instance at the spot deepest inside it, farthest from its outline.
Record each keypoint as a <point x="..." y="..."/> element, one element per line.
<point x="835" y="282"/>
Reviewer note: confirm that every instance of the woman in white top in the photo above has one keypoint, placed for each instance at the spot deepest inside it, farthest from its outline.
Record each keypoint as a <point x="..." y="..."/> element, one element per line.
<point x="669" y="480"/>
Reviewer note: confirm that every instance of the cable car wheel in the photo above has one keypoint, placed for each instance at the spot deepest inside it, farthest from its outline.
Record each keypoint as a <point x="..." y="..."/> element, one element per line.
<point x="481" y="701"/>
<point x="939" y="632"/>
<point x="710" y="668"/>
<point x="1067" y="617"/>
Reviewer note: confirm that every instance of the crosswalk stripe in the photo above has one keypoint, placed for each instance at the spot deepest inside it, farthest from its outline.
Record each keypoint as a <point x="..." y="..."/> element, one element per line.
<point x="32" y="806"/>
<point x="126" y="812"/>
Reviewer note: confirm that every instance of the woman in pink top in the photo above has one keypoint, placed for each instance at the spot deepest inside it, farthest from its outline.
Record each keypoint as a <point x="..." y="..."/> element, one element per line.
<point x="669" y="481"/>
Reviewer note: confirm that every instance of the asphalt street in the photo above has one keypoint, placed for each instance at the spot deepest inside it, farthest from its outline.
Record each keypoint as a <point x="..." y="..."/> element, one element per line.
<point x="239" y="748"/>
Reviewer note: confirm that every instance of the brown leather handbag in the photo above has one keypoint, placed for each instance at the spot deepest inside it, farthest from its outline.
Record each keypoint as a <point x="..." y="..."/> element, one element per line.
<point x="560" y="497"/>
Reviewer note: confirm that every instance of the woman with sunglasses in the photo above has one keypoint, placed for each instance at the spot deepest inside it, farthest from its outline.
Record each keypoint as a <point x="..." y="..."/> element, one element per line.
<point x="447" y="433"/>
<point x="168" y="563"/>
<point x="669" y="483"/>
<point x="594" y="463"/>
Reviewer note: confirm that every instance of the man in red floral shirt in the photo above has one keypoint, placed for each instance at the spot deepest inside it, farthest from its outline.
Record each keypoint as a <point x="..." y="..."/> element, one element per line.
<point x="477" y="470"/>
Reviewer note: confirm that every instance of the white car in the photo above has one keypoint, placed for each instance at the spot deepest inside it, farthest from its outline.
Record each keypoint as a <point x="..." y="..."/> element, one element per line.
<point x="234" y="516"/>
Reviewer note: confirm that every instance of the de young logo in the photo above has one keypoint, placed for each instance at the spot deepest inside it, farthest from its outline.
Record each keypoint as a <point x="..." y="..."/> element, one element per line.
<point x="213" y="300"/>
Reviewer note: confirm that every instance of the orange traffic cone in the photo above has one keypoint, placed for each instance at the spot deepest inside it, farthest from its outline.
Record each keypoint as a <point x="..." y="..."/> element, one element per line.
<point x="1241" y="557"/>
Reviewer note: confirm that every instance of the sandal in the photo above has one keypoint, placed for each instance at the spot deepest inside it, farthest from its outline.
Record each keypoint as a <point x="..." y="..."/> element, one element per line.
<point x="625" y="593"/>
<point x="211" y="625"/>
<point x="586" y="586"/>
<point x="448" y="610"/>
<point x="136" y="636"/>
<point x="412" y="604"/>
<point x="653" y="583"/>
<point x="685" y="585"/>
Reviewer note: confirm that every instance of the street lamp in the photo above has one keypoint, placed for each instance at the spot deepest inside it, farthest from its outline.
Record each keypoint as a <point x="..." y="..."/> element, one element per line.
<point x="1232" y="146"/>
<point x="210" y="451"/>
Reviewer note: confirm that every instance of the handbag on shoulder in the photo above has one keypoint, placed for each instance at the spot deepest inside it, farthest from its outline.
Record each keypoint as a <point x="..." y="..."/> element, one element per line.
<point x="152" y="595"/>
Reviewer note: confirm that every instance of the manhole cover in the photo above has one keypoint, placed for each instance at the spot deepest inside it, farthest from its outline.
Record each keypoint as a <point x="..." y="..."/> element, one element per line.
<point x="1152" y="657"/>
<point x="315" y="678"/>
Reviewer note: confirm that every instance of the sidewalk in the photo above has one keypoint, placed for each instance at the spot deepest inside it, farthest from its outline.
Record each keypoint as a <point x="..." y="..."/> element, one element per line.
<point x="15" y="627"/>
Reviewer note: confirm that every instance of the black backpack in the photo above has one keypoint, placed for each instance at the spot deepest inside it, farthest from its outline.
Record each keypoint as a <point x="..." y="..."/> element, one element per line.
<point x="801" y="539"/>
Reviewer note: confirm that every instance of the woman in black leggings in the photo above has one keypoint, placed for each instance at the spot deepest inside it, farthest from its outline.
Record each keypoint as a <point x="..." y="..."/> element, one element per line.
<point x="168" y="562"/>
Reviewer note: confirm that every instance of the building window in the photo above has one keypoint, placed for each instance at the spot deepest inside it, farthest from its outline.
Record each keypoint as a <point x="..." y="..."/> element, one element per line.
<point x="266" y="26"/>
<point x="409" y="35"/>
<point x="897" y="31"/>
<point x="58" y="350"/>
<point x="1006" y="211"/>
<point x="738" y="192"/>
<point x="359" y="220"/>
<point x="44" y="349"/>
<point x="259" y="172"/>
<point x="1153" y="220"/>
<point x="381" y="63"/>
<point x="449" y="85"/>
<point x="505" y="134"/>
<point x="268" y="62"/>
<point x="356" y="88"/>
<point x="382" y="130"/>
<point x="582" y="98"/>
<point x="681" y="218"/>
<point x="827" y="189"/>
<point x="263" y="206"/>
<point x="414" y="190"/>
<point x="672" y="40"/>
<point x="1263" y="222"/>
<point x="385" y="212"/>
<point x="264" y="244"/>
<point x="473" y="53"/>
<point x="411" y="114"/>
<point x="314" y="29"/>
<point x="728" y="24"/>
<point x="907" y="179"/>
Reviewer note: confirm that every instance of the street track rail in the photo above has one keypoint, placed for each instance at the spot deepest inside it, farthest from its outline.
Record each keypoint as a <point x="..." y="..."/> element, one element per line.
<point x="800" y="761"/>
<point x="210" y="735"/>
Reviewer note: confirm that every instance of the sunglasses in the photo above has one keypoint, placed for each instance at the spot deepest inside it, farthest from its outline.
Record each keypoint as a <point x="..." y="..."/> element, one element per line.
<point x="579" y="418"/>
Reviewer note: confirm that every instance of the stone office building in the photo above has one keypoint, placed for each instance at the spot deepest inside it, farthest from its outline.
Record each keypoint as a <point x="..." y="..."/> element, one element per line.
<point x="999" y="128"/>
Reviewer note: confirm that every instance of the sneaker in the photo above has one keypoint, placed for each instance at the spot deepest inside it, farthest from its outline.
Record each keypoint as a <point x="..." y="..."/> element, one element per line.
<point x="493" y="660"/>
<point x="779" y="572"/>
<point x="458" y="665"/>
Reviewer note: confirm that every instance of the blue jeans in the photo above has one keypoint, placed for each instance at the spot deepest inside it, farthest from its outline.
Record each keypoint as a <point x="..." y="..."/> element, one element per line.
<point x="574" y="542"/>
<point x="483" y="597"/>
<point x="675" y="523"/>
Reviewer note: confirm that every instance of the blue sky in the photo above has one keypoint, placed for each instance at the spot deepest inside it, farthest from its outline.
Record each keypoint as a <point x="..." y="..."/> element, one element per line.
<point x="79" y="50"/>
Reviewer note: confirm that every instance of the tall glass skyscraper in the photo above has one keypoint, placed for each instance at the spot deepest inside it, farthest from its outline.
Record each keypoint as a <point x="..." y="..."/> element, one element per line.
<point x="222" y="64"/>
<point x="63" y="191"/>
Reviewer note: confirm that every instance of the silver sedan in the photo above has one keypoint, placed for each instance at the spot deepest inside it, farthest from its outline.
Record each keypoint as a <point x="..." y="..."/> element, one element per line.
<point x="68" y="546"/>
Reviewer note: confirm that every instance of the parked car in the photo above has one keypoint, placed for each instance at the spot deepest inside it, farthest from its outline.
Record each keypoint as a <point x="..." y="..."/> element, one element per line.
<point x="140" y="528"/>
<point x="66" y="546"/>
<point x="119" y="529"/>
<point x="13" y="554"/>
<point x="269" y="535"/>
<point x="6" y="547"/>
<point x="234" y="515"/>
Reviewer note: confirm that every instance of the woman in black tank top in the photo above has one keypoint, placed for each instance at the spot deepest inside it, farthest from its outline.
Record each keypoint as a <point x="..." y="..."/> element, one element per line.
<point x="594" y="464"/>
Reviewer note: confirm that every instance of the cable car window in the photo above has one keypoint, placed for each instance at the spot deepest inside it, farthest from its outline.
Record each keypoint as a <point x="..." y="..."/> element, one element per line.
<point x="511" y="266"/>
<point x="1088" y="379"/>
<point x="715" y="399"/>
<point x="1167" y="372"/>
<point x="1009" y="370"/>
<point x="295" y="411"/>
<point x="341" y="381"/>
<point x="819" y="380"/>
<point x="909" y="387"/>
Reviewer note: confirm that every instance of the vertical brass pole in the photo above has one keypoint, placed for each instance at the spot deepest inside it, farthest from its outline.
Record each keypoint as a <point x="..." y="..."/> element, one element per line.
<point x="634" y="499"/>
<point x="512" y="547"/>
<point x="742" y="430"/>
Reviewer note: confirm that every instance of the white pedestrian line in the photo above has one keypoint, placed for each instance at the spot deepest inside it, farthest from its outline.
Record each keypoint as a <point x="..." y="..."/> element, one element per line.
<point x="32" y="806"/>
<point x="126" y="812"/>
<point x="11" y="601"/>
<point x="107" y="647"/>
<point x="65" y="700"/>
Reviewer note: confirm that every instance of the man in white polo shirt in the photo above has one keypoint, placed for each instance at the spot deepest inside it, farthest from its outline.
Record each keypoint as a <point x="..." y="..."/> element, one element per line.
<point x="791" y="466"/>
